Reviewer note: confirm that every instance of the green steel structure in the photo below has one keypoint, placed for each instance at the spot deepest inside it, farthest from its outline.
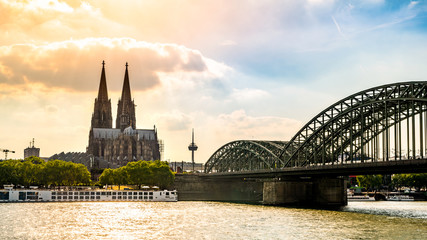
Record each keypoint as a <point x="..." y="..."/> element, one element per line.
<point x="385" y="123"/>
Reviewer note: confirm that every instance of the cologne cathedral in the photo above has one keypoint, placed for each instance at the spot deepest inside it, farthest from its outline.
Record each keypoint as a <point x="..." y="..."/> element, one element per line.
<point x="115" y="147"/>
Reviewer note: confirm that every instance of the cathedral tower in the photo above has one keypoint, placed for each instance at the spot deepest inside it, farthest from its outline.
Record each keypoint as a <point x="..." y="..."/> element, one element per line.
<point x="115" y="147"/>
<point x="126" y="106"/>
<point x="102" y="116"/>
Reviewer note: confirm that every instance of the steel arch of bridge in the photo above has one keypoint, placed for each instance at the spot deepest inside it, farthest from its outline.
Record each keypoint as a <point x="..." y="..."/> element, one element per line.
<point x="244" y="155"/>
<point x="385" y="123"/>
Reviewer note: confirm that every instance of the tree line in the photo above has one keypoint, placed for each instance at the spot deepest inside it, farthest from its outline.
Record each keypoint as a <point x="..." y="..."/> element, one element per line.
<point x="156" y="173"/>
<point x="35" y="171"/>
<point x="417" y="181"/>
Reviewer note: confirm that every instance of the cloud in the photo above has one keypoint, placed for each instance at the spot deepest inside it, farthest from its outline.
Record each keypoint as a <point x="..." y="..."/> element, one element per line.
<point x="75" y="64"/>
<point x="246" y="94"/>
<point x="174" y="121"/>
<point x="212" y="131"/>
<point x="239" y="125"/>
<point x="228" y="43"/>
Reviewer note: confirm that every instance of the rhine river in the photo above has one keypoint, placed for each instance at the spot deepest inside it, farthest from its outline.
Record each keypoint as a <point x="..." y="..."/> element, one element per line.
<point x="210" y="220"/>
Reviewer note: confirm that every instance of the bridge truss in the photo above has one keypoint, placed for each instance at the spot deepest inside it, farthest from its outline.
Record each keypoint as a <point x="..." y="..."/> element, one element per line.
<point x="385" y="123"/>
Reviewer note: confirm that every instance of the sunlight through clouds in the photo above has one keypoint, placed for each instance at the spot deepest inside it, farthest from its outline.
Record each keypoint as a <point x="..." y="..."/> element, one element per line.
<point x="67" y="64"/>
<point x="230" y="69"/>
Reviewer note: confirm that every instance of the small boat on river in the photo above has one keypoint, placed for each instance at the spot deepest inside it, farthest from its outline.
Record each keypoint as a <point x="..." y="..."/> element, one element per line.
<point x="400" y="198"/>
<point x="351" y="197"/>
<point x="357" y="198"/>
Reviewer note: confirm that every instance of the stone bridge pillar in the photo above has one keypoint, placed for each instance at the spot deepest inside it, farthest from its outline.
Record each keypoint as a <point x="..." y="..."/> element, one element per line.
<point x="199" y="187"/>
<point x="318" y="192"/>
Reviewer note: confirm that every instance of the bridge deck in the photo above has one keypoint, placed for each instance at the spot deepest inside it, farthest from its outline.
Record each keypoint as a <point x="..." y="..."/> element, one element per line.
<point x="387" y="167"/>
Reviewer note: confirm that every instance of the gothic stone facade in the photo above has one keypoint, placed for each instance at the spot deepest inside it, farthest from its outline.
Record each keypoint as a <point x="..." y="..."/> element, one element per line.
<point x="123" y="144"/>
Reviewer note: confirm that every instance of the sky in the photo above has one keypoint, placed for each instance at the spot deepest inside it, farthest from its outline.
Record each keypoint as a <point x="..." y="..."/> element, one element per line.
<point x="232" y="70"/>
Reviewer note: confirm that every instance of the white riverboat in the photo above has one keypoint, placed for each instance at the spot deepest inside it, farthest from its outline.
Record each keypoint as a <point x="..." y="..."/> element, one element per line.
<point x="351" y="197"/>
<point x="359" y="198"/>
<point x="400" y="198"/>
<point x="63" y="195"/>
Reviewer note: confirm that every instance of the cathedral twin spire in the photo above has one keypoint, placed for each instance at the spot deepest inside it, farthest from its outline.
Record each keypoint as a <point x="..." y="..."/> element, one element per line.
<point x="102" y="116"/>
<point x="126" y="106"/>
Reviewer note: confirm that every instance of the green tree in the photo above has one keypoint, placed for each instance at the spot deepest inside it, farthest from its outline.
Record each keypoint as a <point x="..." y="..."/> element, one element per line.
<point x="34" y="160"/>
<point x="8" y="172"/>
<point x="58" y="172"/>
<point x="120" y="176"/>
<point x="107" y="177"/>
<point x="370" y="181"/>
<point x="162" y="174"/>
<point x="420" y="180"/>
<point x="140" y="173"/>
<point x="26" y="173"/>
<point x="417" y="181"/>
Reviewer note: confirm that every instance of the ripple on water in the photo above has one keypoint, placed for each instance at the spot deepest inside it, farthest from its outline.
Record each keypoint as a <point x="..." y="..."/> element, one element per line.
<point x="208" y="220"/>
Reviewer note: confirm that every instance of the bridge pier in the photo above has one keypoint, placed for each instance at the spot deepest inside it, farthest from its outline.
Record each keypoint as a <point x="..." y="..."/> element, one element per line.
<point x="199" y="187"/>
<point x="307" y="192"/>
<point x="317" y="192"/>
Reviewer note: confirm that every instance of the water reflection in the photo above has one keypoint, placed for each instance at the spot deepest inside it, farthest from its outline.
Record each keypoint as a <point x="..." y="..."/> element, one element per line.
<point x="209" y="220"/>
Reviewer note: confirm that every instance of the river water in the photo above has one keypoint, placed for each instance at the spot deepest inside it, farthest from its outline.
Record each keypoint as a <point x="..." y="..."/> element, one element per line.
<point x="210" y="220"/>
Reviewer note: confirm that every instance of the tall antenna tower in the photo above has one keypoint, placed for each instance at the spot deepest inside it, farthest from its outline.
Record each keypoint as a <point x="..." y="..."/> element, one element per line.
<point x="192" y="147"/>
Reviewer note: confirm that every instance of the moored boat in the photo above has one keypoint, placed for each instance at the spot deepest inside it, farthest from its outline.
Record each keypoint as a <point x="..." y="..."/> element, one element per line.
<point x="355" y="198"/>
<point x="400" y="198"/>
<point x="351" y="197"/>
<point x="62" y="195"/>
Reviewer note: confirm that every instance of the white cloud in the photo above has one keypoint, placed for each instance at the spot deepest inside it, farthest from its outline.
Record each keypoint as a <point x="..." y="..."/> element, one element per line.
<point x="69" y="64"/>
<point x="246" y="94"/>
<point x="228" y="43"/>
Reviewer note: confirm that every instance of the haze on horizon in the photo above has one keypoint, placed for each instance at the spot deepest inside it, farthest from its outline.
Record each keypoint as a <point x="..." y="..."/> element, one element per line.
<point x="229" y="69"/>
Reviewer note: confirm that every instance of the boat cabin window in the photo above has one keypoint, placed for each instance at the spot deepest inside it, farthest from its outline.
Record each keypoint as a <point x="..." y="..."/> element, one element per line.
<point x="4" y="195"/>
<point x="22" y="195"/>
